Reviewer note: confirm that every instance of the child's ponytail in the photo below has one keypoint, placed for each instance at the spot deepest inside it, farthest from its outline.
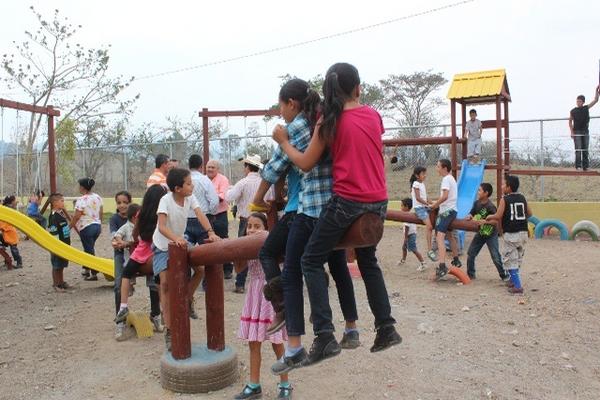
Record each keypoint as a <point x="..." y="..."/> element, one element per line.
<point x="308" y="99"/>
<point x="312" y="107"/>
<point x="340" y="81"/>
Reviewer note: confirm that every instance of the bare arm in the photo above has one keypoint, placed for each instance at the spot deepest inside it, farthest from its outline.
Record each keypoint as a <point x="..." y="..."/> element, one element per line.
<point x="596" y="95"/>
<point x="166" y="232"/>
<point x="571" y="125"/>
<point x="442" y="199"/>
<point x="259" y="196"/>
<point x="499" y="212"/>
<point x="307" y="160"/>
<point x="76" y="217"/>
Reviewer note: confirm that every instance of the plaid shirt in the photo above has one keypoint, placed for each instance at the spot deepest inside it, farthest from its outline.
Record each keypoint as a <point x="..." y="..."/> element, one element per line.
<point x="299" y="134"/>
<point x="316" y="187"/>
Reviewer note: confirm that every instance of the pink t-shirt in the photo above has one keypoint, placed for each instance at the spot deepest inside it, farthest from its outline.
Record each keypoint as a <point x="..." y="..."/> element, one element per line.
<point x="357" y="152"/>
<point x="142" y="252"/>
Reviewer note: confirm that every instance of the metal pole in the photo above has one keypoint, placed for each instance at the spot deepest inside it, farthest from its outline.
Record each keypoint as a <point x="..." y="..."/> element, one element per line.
<point x="51" y="152"/>
<point x="542" y="158"/>
<point x="229" y="155"/>
<point x="170" y="150"/>
<point x="205" y="143"/>
<point x="18" y="170"/>
<point x="125" y="173"/>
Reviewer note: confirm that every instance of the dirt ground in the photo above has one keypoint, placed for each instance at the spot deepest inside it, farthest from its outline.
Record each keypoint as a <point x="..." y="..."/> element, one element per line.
<point x="460" y="342"/>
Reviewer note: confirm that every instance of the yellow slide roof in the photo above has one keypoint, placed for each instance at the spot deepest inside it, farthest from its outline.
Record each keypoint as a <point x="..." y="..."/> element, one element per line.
<point x="483" y="84"/>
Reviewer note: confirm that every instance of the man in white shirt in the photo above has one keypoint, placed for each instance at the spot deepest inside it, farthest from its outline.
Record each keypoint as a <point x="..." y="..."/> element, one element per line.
<point x="447" y="213"/>
<point x="242" y="193"/>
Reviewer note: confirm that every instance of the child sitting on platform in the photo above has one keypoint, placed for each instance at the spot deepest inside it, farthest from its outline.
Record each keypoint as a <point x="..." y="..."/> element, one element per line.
<point x="410" y="238"/>
<point x="257" y="314"/>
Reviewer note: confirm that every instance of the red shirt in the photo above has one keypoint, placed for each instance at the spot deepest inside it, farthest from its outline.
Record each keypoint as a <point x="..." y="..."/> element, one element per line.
<point x="357" y="152"/>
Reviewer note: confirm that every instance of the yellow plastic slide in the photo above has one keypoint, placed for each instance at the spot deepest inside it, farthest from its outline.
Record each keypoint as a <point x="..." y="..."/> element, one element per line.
<point x="53" y="245"/>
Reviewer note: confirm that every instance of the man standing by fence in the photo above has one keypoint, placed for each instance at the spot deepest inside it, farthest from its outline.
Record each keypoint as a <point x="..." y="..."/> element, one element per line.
<point x="579" y="121"/>
<point x="159" y="175"/>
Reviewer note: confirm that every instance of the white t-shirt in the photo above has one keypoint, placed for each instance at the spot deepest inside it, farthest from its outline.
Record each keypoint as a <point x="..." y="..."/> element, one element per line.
<point x="412" y="228"/>
<point x="176" y="218"/>
<point x="449" y="184"/>
<point x="422" y="194"/>
<point x="473" y="128"/>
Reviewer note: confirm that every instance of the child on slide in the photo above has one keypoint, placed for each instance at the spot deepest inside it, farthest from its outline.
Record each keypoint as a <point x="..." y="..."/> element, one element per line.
<point x="257" y="314"/>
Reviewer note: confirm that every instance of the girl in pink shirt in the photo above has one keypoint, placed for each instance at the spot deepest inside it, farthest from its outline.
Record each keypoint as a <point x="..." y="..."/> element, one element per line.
<point x="352" y="133"/>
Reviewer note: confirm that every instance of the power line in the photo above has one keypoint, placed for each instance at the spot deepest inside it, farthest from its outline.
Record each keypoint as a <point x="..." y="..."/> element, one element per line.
<point x="305" y="42"/>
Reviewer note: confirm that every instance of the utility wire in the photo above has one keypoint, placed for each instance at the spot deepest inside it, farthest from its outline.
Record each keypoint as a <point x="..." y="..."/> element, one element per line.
<point x="305" y="42"/>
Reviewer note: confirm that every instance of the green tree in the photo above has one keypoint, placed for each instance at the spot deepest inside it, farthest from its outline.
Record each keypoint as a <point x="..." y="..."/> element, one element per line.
<point x="51" y="68"/>
<point x="66" y="142"/>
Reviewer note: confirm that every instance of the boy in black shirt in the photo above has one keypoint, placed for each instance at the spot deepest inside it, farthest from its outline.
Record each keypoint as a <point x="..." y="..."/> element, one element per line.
<point x="579" y="120"/>
<point x="58" y="226"/>
<point x="488" y="234"/>
<point x="513" y="212"/>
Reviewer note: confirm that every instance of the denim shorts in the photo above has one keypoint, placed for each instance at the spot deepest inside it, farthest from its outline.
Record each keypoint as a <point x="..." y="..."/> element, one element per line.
<point x="410" y="243"/>
<point x="422" y="212"/>
<point x="444" y="220"/>
<point x="160" y="261"/>
<point x="58" y="263"/>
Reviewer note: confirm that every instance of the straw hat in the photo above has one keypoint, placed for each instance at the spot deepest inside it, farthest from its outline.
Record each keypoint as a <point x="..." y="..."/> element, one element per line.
<point x="253" y="159"/>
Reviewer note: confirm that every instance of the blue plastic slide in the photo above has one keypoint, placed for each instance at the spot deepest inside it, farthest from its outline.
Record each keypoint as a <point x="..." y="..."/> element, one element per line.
<point x="471" y="176"/>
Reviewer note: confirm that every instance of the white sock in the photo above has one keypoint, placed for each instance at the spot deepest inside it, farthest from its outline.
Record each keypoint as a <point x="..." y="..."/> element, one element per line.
<point x="123" y="305"/>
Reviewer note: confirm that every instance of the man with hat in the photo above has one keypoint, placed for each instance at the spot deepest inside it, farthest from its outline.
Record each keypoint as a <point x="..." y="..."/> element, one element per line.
<point x="242" y="193"/>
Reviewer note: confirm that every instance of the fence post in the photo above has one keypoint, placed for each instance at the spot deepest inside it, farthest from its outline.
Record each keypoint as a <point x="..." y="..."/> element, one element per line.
<point x="125" y="172"/>
<point x="542" y="158"/>
<point x="170" y="150"/>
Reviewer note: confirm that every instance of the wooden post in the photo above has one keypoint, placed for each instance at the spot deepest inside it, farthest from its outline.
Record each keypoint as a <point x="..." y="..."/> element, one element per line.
<point x="506" y="137"/>
<point x="177" y="282"/>
<point x="215" y="307"/>
<point x="205" y="142"/>
<point x="51" y="151"/>
<point x="464" y="126"/>
<point x="499" y="152"/>
<point x="453" y="142"/>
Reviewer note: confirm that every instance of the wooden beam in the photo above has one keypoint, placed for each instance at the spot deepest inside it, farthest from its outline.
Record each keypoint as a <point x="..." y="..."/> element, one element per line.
<point x="552" y="172"/>
<point x="49" y="110"/>
<point x="411" y="218"/>
<point x="420" y="141"/>
<point x="274" y="112"/>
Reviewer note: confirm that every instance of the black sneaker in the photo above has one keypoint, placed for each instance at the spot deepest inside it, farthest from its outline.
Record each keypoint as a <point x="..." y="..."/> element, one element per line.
<point x="228" y="275"/>
<point x="18" y="266"/>
<point x="441" y="271"/>
<point x="285" y="392"/>
<point x="122" y="315"/>
<point x="85" y="273"/>
<point x="350" y="340"/>
<point x="91" y="278"/>
<point x="286" y="364"/>
<point x="386" y="337"/>
<point x="324" y="346"/>
<point x="456" y="262"/>
<point x="472" y="275"/>
<point x="249" y="393"/>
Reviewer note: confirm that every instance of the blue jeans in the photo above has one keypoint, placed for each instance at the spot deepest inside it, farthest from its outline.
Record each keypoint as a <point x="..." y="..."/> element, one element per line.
<point x="88" y="236"/>
<point x="274" y="246"/>
<point x="300" y="232"/>
<point x="240" y="278"/>
<point x="475" y="247"/>
<point x="194" y="232"/>
<point x="334" y="221"/>
<point x="220" y="225"/>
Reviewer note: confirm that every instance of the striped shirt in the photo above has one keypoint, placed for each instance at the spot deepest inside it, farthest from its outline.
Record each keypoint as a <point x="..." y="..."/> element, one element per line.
<point x="157" y="178"/>
<point x="242" y="193"/>
<point x="205" y="193"/>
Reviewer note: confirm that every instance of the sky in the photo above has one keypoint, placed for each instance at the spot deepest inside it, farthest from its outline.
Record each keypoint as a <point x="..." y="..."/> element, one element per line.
<point x="546" y="47"/>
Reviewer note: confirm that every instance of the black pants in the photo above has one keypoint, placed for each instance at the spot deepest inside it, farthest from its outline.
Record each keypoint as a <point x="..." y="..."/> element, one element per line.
<point x="220" y="225"/>
<point x="582" y="143"/>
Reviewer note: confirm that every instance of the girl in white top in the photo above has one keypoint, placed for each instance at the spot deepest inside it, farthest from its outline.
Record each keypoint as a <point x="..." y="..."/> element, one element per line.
<point x="88" y="220"/>
<point x="422" y="205"/>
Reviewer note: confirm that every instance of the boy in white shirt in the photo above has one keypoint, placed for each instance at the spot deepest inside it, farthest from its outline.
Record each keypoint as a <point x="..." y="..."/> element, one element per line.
<point x="172" y="220"/>
<point x="447" y="213"/>
<point x="410" y="238"/>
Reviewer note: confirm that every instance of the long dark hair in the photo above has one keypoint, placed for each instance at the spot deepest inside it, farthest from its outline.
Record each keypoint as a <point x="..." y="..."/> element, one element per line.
<point x="262" y="217"/>
<point x="415" y="174"/>
<point x="146" y="223"/>
<point x="340" y="81"/>
<point x="308" y="99"/>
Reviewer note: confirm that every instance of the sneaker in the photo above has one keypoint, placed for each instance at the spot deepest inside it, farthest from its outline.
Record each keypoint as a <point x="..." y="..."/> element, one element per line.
<point x="277" y="324"/>
<point x="285" y="392"/>
<point x="91" y="278"/>
<point x="157" y="325"/>
<point x="514" y="290"/>
<point x="58" y="289"/>
<point x="122" y="315"/>
<point x="286" y="364"/>
<point x="441" y="271"/>
<point x="18" y="266"/>
<point x="120" y="332"/>
<point x="239" y="289"/>
<point x="400" y="262"/>
<point x="228" y="275"/>
<point x="472" y="275"/>
<point x="421" y="267"/>
<point x="505" y="277"/>
<point x="193" y="314"/>
<point x="65" y="286"/>
<point x="85" y="273"/>
<point x="350" y="340"/>
<point x="386" y="337"/>
<point x="168" y="339"/>
<point x="456" y="263"/>
<point x="432" y="256"/>
<point x="249" y="393"/>
<point x="324" y="346"/>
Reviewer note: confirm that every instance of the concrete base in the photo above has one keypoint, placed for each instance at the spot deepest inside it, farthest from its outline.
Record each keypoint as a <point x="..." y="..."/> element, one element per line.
<point x="203" y="372"/>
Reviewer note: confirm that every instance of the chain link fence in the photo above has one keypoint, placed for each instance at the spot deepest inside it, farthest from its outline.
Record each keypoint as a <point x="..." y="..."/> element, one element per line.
<point x="535" y="144"/>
